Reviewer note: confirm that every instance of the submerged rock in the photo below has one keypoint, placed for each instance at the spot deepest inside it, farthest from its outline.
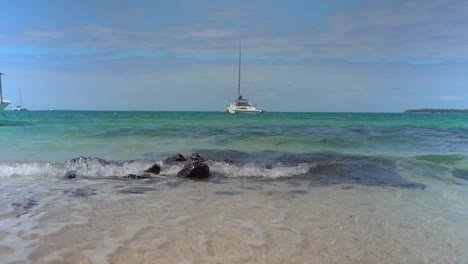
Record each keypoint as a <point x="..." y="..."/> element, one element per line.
<point x="180" y="158"/>
<point x="137" y="190"/>
<point x="195" y="170"/>
<point x="80" y="193"/>
<point x="135" y="176"/>
<point x="196" y="157"/>
<point x="176" y="158"/>
<point x="156" y="169"/>
<point x="461" y="174"/>
<point x="70" y="174"/>
<point x="25" y="206"/>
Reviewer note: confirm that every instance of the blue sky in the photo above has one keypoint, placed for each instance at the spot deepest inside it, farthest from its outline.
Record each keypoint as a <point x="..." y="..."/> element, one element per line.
<point x="316" y="55"/>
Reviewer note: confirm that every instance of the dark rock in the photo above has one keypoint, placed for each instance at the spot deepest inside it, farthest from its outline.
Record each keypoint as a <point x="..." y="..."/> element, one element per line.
<point x="195" y="170"/>
<point x="24" y="207"/>
<point x="70" y="174"/>
<point x="156" y="169"/>
<point x="176" y="158"/>
<point x="134" y="176"/>
<point x="80" y="193"/>
<point x="137" y="190"/>
<point x="228" y="161"/>
<point x="196" y="157"/>
<point x="298" y="192"/>
<point x="230" y="193"/>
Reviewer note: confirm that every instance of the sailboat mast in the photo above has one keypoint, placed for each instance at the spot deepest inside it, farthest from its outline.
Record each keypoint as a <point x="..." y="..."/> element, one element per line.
<point x="1" y="95"/>
<point x="21" y="97"/>
<point x="238" y="84"/>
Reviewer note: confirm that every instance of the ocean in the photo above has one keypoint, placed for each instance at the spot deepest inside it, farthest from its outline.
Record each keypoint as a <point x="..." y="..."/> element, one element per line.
<point x="283" y="188"/>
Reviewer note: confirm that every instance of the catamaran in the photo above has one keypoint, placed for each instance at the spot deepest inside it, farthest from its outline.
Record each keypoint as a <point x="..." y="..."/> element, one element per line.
<point x="242" y="105"/>
<point x="20" y="107"/>
<point x="3" y="103"/>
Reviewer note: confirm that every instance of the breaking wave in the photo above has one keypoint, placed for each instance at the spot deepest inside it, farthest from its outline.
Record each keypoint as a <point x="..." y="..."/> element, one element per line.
<point x="317" y="168"/>
<point x="96" y="167"/>
<point x="31" y="169"/>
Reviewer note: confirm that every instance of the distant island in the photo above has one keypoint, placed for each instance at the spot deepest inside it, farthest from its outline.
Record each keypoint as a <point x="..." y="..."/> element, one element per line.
<point x="436" y="111"/>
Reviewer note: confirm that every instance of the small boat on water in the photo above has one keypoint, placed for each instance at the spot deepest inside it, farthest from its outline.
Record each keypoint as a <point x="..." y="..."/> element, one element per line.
<point x="20" y="107"/>
<point x="3" y="103"/>
<point x="242" y="105"/>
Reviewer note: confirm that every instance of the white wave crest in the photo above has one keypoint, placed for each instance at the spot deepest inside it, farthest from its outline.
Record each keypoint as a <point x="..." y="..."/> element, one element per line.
<point x="255" y="169"/>
<point x="31" y="169"/>
<point x="95" y="167"/>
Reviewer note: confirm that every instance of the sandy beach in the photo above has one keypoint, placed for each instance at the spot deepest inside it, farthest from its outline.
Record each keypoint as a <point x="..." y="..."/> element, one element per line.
<point x="225" y="221"/>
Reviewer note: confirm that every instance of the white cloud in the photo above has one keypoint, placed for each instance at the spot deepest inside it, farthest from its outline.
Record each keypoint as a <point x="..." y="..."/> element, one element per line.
<point x="386" y="29"/>
<point x="415" y="48"/>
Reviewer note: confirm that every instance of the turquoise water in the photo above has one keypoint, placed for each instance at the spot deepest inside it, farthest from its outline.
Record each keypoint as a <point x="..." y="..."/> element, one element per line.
<point x="331" y="187"/>
<point x="53" y="137"/>
<point x="60" y="135"/>
<point x="384" y="149"/>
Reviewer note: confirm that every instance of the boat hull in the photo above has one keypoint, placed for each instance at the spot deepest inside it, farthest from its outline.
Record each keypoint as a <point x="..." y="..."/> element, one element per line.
<point x="248" y="112"/>
<point x="19" y="108"/>
<point x="244" y="111"/>
<point x="4" y="105"/>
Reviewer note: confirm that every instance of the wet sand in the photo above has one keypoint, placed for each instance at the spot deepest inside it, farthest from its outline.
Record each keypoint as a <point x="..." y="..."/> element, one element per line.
<point x="235" y="220"/>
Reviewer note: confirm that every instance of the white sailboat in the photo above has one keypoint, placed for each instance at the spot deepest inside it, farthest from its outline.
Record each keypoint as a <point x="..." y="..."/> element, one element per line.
<point x="20" y="106"/>
<point x="242" y="105"/>
<point x="3" y="103"/>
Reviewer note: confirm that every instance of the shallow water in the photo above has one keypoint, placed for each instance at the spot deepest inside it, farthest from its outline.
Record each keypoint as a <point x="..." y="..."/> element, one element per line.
<point x="299" y="188"/>
<point x="231" y="220"/>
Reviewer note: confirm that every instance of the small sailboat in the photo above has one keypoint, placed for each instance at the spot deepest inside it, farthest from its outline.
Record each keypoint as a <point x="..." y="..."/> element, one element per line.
<point x="20" y="107"/>
<point x="242" y="105"/>
<point x="3" y="103"/>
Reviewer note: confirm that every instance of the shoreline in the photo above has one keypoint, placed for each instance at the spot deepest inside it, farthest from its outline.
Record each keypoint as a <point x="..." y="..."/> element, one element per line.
<point x="236" y="221"/>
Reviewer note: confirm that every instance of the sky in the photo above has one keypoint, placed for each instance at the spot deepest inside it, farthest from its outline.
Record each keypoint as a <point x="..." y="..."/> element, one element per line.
<point x="305" y="56"/>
